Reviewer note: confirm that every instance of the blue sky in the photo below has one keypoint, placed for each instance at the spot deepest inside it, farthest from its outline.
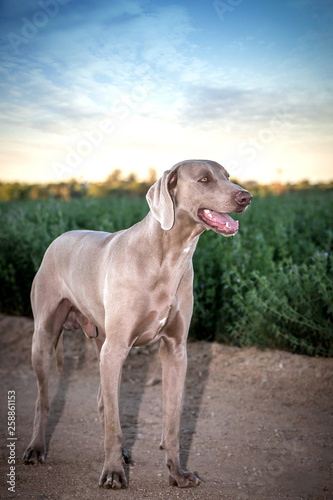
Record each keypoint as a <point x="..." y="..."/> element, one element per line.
<point x="90" y="86"/>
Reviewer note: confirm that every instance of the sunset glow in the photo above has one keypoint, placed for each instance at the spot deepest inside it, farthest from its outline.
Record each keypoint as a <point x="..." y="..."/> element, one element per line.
<point x="87" y="87"/>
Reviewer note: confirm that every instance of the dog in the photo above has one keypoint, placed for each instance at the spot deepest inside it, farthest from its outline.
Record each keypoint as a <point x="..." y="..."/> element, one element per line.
<point x="132" y="288"/>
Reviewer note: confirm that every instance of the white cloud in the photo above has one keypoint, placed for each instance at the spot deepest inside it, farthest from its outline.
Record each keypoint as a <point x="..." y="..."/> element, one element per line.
<point x="137" y="64"/>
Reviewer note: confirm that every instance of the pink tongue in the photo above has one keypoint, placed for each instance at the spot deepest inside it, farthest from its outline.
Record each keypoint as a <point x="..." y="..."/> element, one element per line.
<point x="224" y="218"/>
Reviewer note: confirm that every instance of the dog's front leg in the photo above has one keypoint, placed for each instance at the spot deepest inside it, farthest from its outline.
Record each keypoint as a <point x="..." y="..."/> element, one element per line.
<point x="174" y="364"/>
<point x="111" y="362"/>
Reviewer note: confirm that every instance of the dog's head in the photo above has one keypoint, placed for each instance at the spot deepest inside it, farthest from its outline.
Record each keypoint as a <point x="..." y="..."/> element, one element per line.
<point x="201" y="189"/>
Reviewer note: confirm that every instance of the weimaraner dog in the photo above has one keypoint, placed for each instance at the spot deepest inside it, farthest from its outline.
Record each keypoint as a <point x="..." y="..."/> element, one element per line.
<point x="132" y="288"/>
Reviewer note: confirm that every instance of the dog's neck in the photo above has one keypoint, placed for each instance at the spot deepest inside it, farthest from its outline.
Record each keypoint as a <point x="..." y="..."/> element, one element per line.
<point x="178" y="243"/>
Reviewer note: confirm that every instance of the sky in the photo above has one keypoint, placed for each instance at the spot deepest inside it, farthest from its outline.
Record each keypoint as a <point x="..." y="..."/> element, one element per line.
<point x="90" y="86"/>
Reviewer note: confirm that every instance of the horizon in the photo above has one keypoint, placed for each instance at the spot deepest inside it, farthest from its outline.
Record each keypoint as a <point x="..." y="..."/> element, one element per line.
<point x="133" y="84"/>
<point x="124" y="178"/>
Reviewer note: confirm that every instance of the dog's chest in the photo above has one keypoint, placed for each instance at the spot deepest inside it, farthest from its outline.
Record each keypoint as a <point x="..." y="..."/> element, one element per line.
<point x="152" y="327"/>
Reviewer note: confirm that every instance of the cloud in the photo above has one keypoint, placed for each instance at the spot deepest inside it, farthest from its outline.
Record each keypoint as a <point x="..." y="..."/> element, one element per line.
<point x="214" y="107"/>
<point x="257" y="128"/>
<point x="164" y="83"/>
<point x="77" y="74"/>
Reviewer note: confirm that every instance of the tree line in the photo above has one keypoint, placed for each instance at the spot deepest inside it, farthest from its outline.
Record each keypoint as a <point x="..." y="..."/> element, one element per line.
<point x="117" y="184"/>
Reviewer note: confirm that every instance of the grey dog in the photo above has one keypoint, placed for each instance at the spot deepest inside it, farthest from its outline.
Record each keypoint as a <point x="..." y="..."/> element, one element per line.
<point x="132" y="288"/>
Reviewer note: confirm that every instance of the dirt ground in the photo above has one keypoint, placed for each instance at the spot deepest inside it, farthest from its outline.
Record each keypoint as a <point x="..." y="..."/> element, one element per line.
<point x="256" y="424"/>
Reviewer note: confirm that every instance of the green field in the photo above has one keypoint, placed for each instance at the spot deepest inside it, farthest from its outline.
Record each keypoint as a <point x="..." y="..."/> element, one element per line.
<point x="270" y="286"/>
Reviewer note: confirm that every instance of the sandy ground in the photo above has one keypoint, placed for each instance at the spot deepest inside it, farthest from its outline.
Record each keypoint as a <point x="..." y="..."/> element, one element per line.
<point x="255" y="425"/>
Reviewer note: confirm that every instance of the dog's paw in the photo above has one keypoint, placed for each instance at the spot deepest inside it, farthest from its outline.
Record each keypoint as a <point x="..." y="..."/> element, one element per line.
<point x="34" y="454"/>
<point x="184" y="479"/>
<point x="113" y="479"/>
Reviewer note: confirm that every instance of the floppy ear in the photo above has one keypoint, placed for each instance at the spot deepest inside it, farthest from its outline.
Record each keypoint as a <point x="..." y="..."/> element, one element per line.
<point x="160" y="201"/>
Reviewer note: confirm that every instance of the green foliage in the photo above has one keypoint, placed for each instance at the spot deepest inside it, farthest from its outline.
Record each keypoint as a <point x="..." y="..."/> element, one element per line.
<point x="73" y="189"/>
<point x="28" y="228"/>
<point x="270" y="286"/>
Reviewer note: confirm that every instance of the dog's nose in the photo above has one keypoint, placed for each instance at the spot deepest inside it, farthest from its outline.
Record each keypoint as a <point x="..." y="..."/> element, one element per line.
<point x="243" y="198"/>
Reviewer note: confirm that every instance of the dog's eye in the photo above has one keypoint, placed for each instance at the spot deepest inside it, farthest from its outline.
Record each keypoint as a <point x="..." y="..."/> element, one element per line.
<point x="204" y="179"/>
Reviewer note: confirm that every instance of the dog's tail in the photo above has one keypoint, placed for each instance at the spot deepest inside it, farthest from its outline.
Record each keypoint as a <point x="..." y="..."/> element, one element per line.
<point x="58" y="351"/>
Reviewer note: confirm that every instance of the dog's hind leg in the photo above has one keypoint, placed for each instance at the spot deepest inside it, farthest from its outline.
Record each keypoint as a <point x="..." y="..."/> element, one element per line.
<point x="48" y="329"/>
<point x="42" y="350"/>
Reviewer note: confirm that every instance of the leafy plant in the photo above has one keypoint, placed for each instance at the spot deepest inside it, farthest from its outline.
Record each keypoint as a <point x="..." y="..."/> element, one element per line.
<point x="270" y="286"/>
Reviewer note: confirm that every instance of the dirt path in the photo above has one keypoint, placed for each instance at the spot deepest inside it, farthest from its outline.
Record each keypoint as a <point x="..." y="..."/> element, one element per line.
<point x="256" y="425"/>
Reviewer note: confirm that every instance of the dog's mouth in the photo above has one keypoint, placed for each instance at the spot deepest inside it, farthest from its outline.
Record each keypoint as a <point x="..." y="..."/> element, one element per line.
<point x="221" y="223"/>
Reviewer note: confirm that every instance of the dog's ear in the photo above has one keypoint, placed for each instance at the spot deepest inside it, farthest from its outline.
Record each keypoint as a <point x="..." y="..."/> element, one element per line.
<point x="160" y="200"/>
